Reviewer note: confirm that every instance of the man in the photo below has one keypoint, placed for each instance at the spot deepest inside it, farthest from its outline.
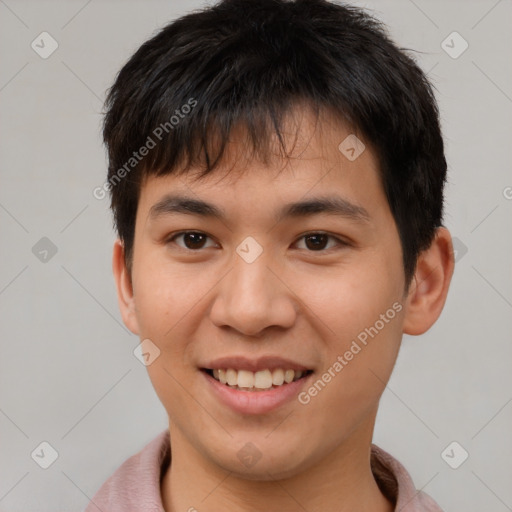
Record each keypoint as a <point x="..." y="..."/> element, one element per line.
<point x="276" y="171"/>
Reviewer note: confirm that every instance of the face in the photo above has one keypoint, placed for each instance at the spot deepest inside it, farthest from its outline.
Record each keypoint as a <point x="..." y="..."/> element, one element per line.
<point x="263" y="292"/>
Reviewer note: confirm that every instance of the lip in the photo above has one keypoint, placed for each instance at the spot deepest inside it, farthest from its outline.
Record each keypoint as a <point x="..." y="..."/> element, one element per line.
<point x="254" y="365"/>
<point x="255" y="402"/>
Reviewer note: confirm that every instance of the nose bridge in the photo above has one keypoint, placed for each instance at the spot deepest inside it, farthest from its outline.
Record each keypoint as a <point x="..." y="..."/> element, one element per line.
<point x="251" y="285"/>
<point x="251" y="297"/>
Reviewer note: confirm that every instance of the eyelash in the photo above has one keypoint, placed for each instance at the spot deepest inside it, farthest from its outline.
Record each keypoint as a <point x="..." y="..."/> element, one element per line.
<point x="340" y="242"/>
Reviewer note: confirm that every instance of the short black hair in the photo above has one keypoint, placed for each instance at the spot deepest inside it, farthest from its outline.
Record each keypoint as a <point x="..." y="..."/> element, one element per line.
<point x="249" y="62"/>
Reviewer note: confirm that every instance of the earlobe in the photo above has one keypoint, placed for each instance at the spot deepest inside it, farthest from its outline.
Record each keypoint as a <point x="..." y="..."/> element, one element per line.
<point x="125" y="295"/>
<point x="429" y="289"/>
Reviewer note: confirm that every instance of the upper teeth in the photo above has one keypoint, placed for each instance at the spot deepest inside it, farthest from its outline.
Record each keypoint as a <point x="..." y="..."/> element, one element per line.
<point x="263" y="379"/>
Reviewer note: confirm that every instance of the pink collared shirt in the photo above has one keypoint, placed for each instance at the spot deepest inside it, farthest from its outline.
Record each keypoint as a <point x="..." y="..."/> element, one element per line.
<point x="135" y="485"/>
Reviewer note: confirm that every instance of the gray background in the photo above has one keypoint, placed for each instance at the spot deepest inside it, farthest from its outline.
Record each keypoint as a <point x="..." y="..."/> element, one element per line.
<point x="68" y="375"/>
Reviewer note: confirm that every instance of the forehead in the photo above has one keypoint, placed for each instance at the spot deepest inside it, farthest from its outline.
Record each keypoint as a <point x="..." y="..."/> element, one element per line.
<point x="319" y="161"/>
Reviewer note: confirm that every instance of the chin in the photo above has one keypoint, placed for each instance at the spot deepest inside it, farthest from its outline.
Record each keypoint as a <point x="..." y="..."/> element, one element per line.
<point x="264" y="465"/>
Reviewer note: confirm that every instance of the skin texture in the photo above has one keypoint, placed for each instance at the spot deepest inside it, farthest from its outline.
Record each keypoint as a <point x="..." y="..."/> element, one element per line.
<point x="293" y="301"/>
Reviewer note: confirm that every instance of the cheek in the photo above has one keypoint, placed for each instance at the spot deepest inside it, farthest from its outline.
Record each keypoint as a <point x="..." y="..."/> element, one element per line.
<point x="169" y="301"/>
<point x="164" y="294"/>
<point x="359" y="315"/>
<point x="163" y="298"/>
<point x="348" y="299"/>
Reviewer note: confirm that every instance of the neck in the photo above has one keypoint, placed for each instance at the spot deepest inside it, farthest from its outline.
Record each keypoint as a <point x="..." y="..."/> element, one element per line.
<point x="341" y="482"/>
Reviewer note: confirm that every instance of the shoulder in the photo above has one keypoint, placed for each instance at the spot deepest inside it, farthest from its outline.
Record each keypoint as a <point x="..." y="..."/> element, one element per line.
<point x="136" y="483"/>
<point x="397" y="485"/>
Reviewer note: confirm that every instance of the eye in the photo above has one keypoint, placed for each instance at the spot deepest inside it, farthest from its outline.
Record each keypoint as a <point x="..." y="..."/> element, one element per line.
<point x="314" y="242"/>
<point x="318" y="241"/>
<point x="193" y="240"/>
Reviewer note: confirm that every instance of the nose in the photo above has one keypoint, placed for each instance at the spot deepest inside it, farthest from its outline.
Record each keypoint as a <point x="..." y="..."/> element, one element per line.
<point x="253" y="297"/>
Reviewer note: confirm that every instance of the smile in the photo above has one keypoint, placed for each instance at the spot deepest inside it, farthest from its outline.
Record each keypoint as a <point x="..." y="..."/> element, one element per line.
<point x="245" y="380"/>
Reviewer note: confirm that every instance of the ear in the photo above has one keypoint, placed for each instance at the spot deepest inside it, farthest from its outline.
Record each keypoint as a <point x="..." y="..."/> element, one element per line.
<point x="124" y="286"/>
<point x="429" y="288"/>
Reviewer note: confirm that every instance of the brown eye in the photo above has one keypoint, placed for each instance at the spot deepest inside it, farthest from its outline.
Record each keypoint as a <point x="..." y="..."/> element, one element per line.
<point x="192" y="240"/>
<point x="317" y="242"/>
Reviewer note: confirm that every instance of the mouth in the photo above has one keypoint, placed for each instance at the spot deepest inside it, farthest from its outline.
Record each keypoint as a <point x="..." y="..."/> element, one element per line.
<point x="262" y="380"/>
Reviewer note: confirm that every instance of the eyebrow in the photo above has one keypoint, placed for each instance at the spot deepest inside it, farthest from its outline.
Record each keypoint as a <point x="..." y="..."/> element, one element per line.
<point x="334" y="205"/>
